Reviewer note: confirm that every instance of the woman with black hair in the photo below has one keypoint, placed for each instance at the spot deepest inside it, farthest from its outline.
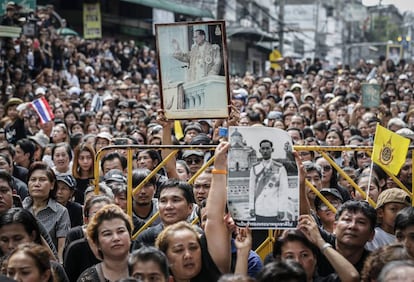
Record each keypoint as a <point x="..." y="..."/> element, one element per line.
<point x="43" y="205"/>
<point x="304" y="245"/>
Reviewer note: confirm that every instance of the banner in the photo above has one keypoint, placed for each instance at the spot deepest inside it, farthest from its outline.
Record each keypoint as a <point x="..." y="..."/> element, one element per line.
<point x="92" y="25"/>
<point x="390" y="149"/>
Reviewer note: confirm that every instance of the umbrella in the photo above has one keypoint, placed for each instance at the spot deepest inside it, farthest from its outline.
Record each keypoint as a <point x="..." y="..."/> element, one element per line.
<point x="66" y="31"/>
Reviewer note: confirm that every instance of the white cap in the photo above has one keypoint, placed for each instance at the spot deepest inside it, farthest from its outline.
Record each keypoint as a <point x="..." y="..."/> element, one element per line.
<point x="40" y="91"/>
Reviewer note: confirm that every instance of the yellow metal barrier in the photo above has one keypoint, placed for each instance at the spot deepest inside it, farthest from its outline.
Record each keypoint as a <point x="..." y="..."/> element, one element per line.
<point x="267" y="246"/>
<point x="132" y="191"/>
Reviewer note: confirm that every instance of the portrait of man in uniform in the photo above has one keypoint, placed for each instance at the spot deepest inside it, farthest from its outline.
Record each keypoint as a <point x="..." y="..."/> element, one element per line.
<point x="263" y="179"/>
<point x="268" y="182"/>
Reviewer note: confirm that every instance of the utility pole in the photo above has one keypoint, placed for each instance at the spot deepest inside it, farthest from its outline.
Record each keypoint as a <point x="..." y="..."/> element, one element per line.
<point x="281" y="24"/>
<point x="221" y="5"/>
<point x="317" y="30"/>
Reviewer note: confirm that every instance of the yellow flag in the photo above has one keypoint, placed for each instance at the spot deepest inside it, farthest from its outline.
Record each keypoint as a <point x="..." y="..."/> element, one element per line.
<point x="390" y="149"/>
<point x="178" y="130"/>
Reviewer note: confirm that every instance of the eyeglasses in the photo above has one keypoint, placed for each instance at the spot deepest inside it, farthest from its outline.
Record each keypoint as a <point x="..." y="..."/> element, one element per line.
<point x="205" y="186"/>
<point x="362" y="155"/>
<point x="191" y="161"/>
<point x="335" y="203"/>
<point x="326" y="168"/>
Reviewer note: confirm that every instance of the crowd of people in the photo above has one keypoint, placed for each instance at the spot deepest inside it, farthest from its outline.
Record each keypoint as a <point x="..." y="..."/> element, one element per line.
<point x="106" y="92"/>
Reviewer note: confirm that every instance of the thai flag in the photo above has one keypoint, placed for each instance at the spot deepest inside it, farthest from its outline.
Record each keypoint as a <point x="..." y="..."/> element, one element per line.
<point x="42" y="108"/>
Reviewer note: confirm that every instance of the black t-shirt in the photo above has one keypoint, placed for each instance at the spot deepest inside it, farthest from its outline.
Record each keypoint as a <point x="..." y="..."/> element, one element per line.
<point x="78" y="258"/>
<point x="325" y="268"/>
<point x="209" y="270"/>
<point x="75" y="213"/>
<point x="81" y="185"/>
<point x="15" y="131"/>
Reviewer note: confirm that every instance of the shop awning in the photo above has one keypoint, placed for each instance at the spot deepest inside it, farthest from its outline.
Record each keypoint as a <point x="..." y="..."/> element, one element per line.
<point x="250" y="33"/>
<point x="174" y="7"/>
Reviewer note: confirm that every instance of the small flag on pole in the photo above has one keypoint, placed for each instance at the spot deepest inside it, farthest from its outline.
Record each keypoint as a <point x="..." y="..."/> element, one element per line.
<point x="390" y="149"/>
<point x="178" y="130"/>
<point x="43" y="110"/>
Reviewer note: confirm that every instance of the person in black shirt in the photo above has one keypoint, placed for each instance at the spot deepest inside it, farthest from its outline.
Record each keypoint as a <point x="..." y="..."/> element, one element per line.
<point x="15" y="129"/>
<point x="66" y="185"/>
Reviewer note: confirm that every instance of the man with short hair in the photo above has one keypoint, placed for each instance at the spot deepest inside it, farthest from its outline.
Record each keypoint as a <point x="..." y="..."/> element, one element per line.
<point x="314" y="176"/>
<point x="113" y="160"/>
<point x="406" y="171"/>
<point x="297" y="121"/>
<point x="404" y="229"/>
<point x="354" y="226"/>
<point x="25" y="149"/>
<point x="201" y="186"/>
<point x="16" y="170"/>
<point x="19" y="187"/>
<point x="174" y="204"/>
<point x="144" y="205"/>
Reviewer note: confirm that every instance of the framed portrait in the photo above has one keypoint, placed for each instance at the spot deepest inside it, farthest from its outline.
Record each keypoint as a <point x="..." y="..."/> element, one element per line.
<point x="394" y="52"/>
<point x="371" y="95"/>
<point x="192" y="61"/>
<point x="263" y="178"/>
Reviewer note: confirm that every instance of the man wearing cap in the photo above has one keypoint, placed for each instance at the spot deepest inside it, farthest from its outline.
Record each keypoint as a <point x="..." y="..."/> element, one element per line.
<point x="190" y="131"/>
<point x="114" y="176"/>
<point x="41" y="141"/>
<point x="326" y="216"/>
<point x="10" y="18"/>
<point x="97" y="100"/>
<point x="194" y="160"/>
<point x="267" y="187"/>
<point x="389" y="203"/>
<point x="66" y="186"/>
<point x="103" y="139"/>
<point x="272" y="116"/>
<point x="296" y="89"/>
<point x="15" y="129"/>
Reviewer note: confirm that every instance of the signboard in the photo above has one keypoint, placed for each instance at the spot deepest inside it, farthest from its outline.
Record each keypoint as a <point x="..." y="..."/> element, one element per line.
<point x="92" y="24"/>
<point x="371" y="95"/>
